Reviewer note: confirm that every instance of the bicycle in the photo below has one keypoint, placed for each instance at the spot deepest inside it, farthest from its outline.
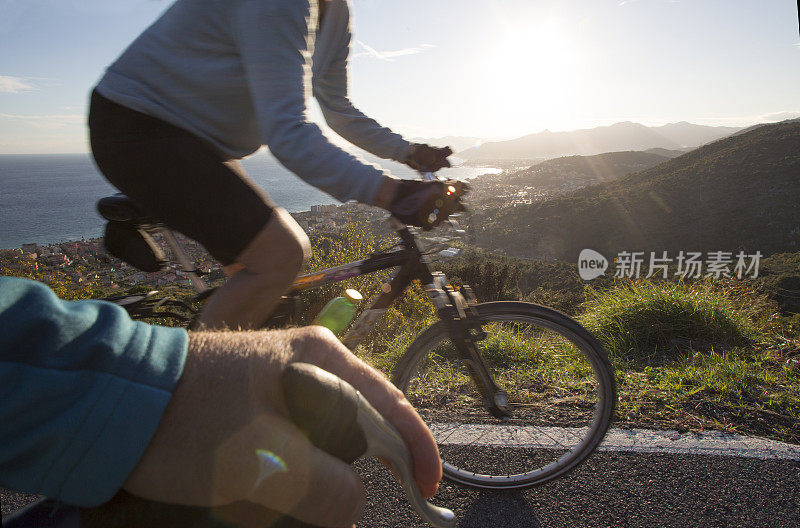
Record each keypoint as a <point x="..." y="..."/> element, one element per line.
<point x="525" y="386"/>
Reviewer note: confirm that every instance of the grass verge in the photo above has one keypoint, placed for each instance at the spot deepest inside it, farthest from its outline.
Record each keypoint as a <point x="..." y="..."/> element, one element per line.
<point x="691" y="357"/>
<point x="699" y="356"/>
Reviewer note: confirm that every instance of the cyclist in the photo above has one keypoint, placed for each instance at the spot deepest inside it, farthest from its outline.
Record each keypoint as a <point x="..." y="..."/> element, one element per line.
<point x="212" y="81"/>
<point x="92" y="401"/>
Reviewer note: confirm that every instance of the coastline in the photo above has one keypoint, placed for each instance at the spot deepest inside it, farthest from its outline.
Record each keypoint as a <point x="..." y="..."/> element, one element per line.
<point x="50" y="199"/>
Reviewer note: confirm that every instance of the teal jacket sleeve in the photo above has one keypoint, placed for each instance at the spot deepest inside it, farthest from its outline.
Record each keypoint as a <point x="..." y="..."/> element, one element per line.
<point x="82" y="389"/>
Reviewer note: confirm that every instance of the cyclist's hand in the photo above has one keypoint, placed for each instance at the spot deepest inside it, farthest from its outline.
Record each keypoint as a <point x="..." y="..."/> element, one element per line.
<point x="225" y="436"/>
<point x="426" y="204"/>
<point x="425" y="158"/>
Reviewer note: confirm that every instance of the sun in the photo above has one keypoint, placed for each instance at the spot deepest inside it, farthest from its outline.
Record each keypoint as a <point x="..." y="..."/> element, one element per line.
<point x="530" y="74"/>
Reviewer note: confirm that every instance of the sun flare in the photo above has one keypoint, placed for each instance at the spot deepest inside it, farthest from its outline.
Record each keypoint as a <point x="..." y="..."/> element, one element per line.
<point x="530" y="73"/>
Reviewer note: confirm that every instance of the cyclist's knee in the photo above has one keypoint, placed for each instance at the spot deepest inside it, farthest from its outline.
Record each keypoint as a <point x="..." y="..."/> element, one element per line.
<point x="281" y="247"/>
<point x="293" y="243"/>
<point x="301" y="249"/>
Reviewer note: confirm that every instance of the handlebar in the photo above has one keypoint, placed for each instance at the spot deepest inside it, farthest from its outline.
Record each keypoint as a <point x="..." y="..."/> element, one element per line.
<point x="336" y="418"/>
<point x="430" y="176"/>
<point x="351" y="428"/>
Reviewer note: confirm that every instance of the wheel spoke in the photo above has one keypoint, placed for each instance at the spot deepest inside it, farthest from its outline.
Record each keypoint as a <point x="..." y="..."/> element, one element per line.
<point x="445" y="439"/>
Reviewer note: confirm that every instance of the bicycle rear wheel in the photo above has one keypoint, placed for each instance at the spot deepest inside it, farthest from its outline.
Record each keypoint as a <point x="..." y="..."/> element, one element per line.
<point x="560" y="387"/>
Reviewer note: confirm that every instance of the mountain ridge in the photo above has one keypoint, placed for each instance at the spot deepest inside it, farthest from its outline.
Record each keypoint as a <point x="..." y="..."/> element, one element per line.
<point x="622" y="136"/>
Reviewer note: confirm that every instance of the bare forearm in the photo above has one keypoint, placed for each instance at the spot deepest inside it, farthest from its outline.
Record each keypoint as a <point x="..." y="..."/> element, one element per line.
<point x="228" y="406"/>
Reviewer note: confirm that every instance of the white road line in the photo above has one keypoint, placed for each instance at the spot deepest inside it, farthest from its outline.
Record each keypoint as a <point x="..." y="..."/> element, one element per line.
<point x="635" y="440"/>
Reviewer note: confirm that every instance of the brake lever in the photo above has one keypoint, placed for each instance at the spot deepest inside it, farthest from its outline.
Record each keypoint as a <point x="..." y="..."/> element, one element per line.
<point x="429" y="176"/>
<point x="384" y="441"/>
<point x="305" y="386"/>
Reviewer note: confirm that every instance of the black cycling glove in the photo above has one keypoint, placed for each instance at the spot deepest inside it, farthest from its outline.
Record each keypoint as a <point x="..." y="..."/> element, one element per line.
<point x="425" y="158"/>
<point x="427" y="204"/>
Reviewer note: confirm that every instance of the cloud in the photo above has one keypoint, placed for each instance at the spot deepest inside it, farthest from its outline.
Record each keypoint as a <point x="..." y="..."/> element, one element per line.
<point x="14" y="85"/>
<point x="779" y="116"/>
<point x="369" y="51"/>
<point x="47" y="122"/>
<point x="747" y="120"/>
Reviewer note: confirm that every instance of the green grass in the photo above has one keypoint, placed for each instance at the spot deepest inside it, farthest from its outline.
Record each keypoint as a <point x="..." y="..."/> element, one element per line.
<point x="647" y="323"/>
<point x="750" y="390"/>
<point x="699" y="356"/>
<point x="735" y="374"/>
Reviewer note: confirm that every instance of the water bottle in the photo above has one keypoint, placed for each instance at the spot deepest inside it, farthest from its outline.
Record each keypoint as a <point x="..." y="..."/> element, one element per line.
<point x="338" y="313"/>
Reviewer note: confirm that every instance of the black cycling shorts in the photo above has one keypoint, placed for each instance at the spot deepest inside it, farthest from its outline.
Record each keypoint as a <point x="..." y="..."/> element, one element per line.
<point x="178" y="178"/>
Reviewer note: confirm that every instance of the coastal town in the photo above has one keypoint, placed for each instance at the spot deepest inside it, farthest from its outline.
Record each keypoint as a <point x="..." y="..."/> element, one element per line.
<point x="86" y="262"/>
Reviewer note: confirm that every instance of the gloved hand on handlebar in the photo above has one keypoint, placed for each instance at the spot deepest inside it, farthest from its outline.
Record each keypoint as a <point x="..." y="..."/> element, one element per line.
<point x="425" y="158"/>
<point x="426" y="204"/>
<point x="226" y="439"/>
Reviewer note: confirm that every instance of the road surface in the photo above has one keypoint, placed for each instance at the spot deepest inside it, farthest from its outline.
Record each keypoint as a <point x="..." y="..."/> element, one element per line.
<point x="638" y="479"/>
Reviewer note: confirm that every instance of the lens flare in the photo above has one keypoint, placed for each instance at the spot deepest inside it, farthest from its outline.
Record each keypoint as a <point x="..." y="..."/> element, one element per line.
<point x="269" y="464"/>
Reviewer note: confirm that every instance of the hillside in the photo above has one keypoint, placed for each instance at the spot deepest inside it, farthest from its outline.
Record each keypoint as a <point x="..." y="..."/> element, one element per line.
<point x="551" y="178"/>
<point x="691" y="135"/>
<point x="750" y="128"/>
<point x="585" y="170"/>
<point x="667" y="153"/>
<point x="617" y="137"/>
<point x="741" y="192"/>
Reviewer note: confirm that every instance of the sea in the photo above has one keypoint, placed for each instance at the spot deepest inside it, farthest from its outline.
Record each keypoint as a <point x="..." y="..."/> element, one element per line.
<point x="50" y="198"/>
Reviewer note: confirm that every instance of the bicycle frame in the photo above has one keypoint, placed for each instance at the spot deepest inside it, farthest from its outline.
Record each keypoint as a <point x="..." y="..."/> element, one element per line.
<point x="408" y="258"/>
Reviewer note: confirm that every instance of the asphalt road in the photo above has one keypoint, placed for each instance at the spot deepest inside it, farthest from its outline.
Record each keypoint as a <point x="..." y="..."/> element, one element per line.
<point x="615" y="489"/>
<point x="612" y="489"/>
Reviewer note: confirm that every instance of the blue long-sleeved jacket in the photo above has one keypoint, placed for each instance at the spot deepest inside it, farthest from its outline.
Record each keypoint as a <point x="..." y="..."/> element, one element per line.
<point x="82" y="389"/>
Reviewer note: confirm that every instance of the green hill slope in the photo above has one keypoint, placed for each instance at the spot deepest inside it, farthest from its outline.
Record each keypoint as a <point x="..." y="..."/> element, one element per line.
<point x="741" y="192"/>
<point x="585" y="170"/>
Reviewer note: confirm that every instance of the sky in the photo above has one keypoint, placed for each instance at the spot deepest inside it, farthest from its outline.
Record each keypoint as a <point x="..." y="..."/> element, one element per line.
<point x="428" y="68"/>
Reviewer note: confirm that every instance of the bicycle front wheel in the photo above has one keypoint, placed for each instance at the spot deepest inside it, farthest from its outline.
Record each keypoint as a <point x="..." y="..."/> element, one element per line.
<point x="560" y="388"/>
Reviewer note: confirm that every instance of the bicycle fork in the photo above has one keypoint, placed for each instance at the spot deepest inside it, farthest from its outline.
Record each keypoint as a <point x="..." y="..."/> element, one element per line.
<point x="464" y="329"/>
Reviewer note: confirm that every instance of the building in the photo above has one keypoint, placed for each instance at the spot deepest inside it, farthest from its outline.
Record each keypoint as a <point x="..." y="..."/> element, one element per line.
<point x="70" y="248"/>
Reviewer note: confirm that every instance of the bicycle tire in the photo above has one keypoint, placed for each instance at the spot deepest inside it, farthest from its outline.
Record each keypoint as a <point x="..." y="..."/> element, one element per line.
<point x="546" y="407"/>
